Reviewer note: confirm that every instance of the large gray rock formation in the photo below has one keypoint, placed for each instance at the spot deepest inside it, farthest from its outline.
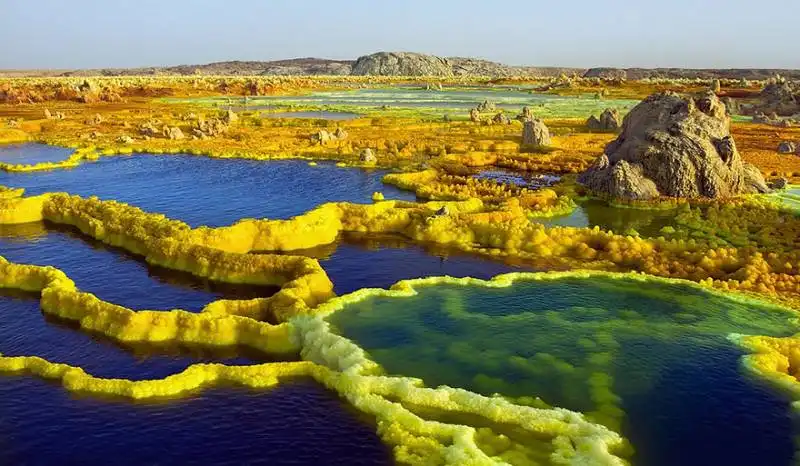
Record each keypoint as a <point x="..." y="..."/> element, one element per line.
<point x="779" y="96"/>
<point x="401" y="64"/>
<point x="677" y="147"/>
<point x="535" y="134"/>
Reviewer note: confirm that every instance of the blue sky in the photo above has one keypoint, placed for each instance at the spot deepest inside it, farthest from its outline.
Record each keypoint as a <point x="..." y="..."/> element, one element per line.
<point x="583" y="33"/>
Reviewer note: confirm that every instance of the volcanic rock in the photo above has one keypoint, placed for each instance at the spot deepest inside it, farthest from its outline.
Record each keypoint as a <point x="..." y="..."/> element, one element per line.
<point x="174" y="133"/>
<point x="367" y="156"/>
<point x="475" y="115"/>
<point x="401" y="64"/>
<point x="609" y="121"/>
<point x="501" y="119"/>
<point x="787" y="147"/>
<point x="674" y="146"/>
<point x="535" y="134"/>
<point x="486" y="106"/>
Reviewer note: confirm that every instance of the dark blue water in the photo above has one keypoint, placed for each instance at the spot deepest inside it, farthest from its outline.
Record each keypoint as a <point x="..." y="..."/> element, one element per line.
<point x="214" y="192"/>
<point x="296" y="423"/>
<point x="29" y="154"/>
<point x="379" y="262"/>
<point x="700" y="410"/>
<point x="112" y="274"/>
<point x="26" y="331"/>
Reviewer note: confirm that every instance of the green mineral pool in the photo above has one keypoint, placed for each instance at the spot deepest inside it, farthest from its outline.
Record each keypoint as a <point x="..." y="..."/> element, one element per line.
<point x="648" y="358"/>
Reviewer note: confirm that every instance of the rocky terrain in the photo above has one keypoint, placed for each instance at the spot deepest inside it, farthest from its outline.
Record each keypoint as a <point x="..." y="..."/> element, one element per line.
<point x="674" y="146"/>
<point x="688" y="73"/>
<point x="410" y="64"/>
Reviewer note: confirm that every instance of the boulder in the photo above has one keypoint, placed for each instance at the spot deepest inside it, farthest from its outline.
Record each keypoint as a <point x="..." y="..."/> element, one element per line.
<point x="593" y="122"/>
<point x="526" y="114"/>
<point x="214" y="127"/>
<point x="172" y="132"/>
<point x="731" y="105"/>
<point x="674" y="146"/>
<point x="367" y="156"/>
<point x="475" y="115"/>
<point x="148" y="129"/>
<point x="535" y="134"/>
<point x="229" y="117"/>
<point x="486" y="106"/>
<point x="778" y="184"/>
<point x="501" y="119"/>
<point x="321" y="137"/>
<point x="779" y="96"/>
<point x="401" y="64"/>
<point x="787" y="147"/>
<point x="609" y="121"/>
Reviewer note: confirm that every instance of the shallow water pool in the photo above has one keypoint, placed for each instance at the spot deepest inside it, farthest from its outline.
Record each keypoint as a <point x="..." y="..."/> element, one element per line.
<point x="651" y="360"/>
<point x="459" y="100"/>
<point x="30" y="154"/>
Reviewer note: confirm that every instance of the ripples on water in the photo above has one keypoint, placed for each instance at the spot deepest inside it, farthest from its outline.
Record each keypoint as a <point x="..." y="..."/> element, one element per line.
<point x="29" y="154"/>
<point x="214" y="192"/>
<point x="685" y="398"/>
<point x="296" y="423"/>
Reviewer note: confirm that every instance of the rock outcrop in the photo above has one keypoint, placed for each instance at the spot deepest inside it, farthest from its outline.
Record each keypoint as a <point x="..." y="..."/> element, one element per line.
<point x="172" y="132"/>
<point x="475" y="115"/>
<point x="779" y="96"/>
<point x="609" y="121"/>
<point x="401" y="64"/>
<point x="501" y="119"/>
<point x="787" y="147"/>
<point x="210" y="128"/>
<point x="526" y="114"/>
<point x="677" y="147"/>
<point x="535" y="134"/>
<point x="486" y="106"/>
<point x="367" y="156"/>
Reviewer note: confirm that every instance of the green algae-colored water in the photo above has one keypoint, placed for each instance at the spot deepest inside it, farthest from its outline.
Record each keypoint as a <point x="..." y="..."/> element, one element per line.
<point x="650" y="359"/>
<point x="790" y="198"/>
<point x="400" y="101"/>
<point x="594" y="212"/>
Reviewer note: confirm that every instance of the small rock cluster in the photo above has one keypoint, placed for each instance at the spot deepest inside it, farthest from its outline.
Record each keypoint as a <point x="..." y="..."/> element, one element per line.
<point x="609" y="121"/>
<point x="486" y="107"/>
<point x="53" y="116"/>
<point x="788" y="147"/>
<point x="323" y="137"/>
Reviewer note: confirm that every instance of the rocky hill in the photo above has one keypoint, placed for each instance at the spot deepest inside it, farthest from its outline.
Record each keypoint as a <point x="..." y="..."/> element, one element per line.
<point x="407" y="64"/>
<point x="672" y="73"/>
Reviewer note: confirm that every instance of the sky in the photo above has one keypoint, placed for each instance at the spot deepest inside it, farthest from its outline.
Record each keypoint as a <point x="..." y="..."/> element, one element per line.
<point x="67" y="34"/>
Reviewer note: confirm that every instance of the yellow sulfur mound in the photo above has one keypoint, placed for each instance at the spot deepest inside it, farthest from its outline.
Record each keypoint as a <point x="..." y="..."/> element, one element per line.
<point x="16" y="209"/>
<point x="775" y="359"/>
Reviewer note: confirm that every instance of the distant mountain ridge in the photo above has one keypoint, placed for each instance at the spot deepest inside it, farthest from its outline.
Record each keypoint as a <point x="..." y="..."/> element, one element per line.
<point x="405" y="64"/>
